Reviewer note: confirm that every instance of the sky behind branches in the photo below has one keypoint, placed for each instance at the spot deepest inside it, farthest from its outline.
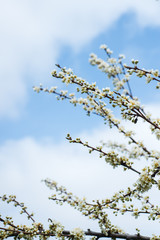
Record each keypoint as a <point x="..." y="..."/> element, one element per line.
<point x="35" y="35"/>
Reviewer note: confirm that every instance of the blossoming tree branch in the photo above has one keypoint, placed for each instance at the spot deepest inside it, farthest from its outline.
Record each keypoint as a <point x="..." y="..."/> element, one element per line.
<point x="134" y="200"/>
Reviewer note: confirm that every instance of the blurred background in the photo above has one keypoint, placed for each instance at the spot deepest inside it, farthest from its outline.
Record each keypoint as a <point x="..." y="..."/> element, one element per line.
<point x="35" y="35"/>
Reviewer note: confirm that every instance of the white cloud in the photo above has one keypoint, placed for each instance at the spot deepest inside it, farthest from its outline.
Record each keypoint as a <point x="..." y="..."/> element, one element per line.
<point x="147" y="12"/>
<point x="26" y="161"/>
<point x="32" y="34"/>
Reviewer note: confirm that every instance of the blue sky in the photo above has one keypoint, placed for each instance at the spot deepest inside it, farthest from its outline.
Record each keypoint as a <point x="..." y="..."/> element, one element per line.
<point x="34" y="37"/>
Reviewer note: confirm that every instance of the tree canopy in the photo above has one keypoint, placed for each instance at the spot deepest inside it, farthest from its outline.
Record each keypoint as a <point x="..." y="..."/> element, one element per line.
<point x="135" y="200"/>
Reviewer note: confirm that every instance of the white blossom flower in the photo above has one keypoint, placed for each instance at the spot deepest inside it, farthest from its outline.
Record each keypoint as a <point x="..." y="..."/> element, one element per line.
<point x="112" y="60"/>
<point x="78" y="233"/>
<point x="37" y="89"/>
<point x="103" y="46"/>
<point x="52" y="89"/>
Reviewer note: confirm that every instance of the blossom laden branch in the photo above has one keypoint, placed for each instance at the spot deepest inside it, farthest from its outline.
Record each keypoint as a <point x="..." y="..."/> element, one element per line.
<point x="149" y="74"/>
<point x="75" y="234"/>
<point x="110" y="157"/>
<point x="12" y="199"/>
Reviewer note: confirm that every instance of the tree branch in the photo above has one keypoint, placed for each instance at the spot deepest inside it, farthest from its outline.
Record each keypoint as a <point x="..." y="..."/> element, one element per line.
<point x="66" y="233"/>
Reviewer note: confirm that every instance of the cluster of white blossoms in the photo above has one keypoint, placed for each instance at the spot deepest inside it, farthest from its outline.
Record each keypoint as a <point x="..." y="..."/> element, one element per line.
<point x="101" y="102"/>
<point x="78" y="233"/>
<point x="145" y="180"/>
